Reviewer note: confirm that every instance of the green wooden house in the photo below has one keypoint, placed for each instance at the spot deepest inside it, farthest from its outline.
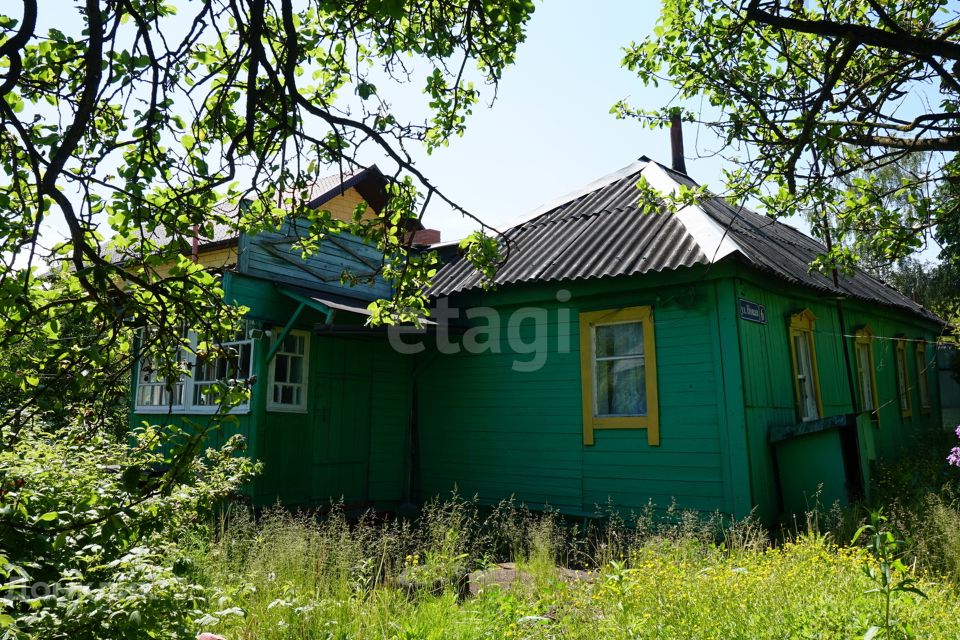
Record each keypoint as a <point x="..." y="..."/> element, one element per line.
<point x="330" y="404"/>
<point x="621" y="359"/>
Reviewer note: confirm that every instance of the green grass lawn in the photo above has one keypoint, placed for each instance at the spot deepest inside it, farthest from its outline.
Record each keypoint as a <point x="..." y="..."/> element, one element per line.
<point x="297" y="577"/>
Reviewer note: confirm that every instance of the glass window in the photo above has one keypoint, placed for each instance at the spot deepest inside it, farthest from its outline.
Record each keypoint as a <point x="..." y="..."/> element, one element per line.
<point x="203" y="364"/>
<point x="866" y="372"/>
<point x="288" y="373"/>
<point x="903" y="379"/>
<point x="923" y="376"/>
<point x="160" y="378"/>
<point x="805" y="377"/>
<point x="618" y="372"/>
<point x="230" y="362"/>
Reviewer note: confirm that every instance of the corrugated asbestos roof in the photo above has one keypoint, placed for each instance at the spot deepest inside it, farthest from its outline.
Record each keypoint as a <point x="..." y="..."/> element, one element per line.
<point x="592" y="235"/>
<point x="601" y="232"/>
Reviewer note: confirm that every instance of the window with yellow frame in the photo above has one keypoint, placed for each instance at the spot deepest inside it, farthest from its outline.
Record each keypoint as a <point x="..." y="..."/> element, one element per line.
<point x="923" y="376"/>
<point x="618" y="372"/>
<point x="803" y="357"/>
<point x="866" y="370"/>
<point x="903" y="378"/>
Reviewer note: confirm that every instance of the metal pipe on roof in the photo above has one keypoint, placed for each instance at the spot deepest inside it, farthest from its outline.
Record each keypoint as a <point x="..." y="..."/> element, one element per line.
<point x="676" y="142"/>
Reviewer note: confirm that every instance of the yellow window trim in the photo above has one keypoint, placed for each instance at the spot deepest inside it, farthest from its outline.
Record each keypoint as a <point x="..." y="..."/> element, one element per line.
<point x="801" y="324"/>
<point x="901" y="362"/>
<point x="864" y="335"/>
<point x="651" y="421"/>
<point x="923" y="370"/>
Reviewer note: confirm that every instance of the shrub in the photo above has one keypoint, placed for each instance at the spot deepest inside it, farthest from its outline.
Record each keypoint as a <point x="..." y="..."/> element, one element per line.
<point x="89" y="529"/>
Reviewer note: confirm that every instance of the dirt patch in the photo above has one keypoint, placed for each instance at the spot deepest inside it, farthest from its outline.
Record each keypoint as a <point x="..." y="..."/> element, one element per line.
<point x="506" y="575"/>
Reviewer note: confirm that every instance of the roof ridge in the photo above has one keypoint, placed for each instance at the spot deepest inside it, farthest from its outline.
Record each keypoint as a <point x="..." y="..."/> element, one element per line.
<point x="714" y="239"/>
<point x="595" y="185"/>
<point x="538" y="222"/>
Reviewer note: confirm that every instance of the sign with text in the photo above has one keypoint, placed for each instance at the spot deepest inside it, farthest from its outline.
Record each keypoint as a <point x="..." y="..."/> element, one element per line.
<point x="753" y="311"/>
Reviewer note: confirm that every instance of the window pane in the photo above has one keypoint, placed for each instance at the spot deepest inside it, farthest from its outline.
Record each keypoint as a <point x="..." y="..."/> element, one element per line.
<point x="286" y="394"/>
<point x="225" y="368"/>
<point x="280" y="368"/>
<point x="808" y="397"/>
<point x="200" y="369"/>
<point x="866" y="376"/>
<point x="244" y="365"/>
<point x="296" y="369"/>
<point x="619" y="339"/>
<point x="902" y="390"/>
<point x="922" y="377"/>
<point x="621" y="387"/>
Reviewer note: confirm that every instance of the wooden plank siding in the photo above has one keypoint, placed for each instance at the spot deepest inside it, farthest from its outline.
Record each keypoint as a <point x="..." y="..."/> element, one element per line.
<point x="768" y="378"/>
<point x="494" y="432"/>
<point x="351" y="443"/>
<point x="270" y="255"/>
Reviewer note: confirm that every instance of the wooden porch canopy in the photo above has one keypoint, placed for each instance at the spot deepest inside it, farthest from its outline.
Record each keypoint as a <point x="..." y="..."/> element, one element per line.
<point x="326" y="305"/>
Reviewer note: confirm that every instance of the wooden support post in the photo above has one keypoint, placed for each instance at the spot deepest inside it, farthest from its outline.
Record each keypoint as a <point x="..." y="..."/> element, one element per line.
<point x="283" y="334"/>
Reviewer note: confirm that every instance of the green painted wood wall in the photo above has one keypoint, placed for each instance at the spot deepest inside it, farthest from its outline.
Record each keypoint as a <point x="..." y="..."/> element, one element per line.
<point x="491" y="427"/>
<point x="352" y="441"/>
<point x="768" y="383"/>
<point x="496" y="432"/>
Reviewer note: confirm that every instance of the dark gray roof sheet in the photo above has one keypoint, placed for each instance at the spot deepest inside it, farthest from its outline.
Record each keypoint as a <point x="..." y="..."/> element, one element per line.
<point x="603" y="233"/>
<point x="786" y="252"/>
<point x="597" y="234"/>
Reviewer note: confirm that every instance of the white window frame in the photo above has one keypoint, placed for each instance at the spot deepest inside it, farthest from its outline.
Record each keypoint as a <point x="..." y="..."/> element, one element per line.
<point x="188" y="384"/>
<point x="304" y="384"/>
<point x="155" y="383"/>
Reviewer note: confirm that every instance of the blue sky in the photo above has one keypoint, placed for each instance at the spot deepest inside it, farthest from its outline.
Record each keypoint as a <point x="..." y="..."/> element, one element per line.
<point x="550" y="130"/>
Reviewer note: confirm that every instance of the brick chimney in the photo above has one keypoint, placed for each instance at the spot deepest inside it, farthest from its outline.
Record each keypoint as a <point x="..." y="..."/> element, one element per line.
<point x="425" y="236"/>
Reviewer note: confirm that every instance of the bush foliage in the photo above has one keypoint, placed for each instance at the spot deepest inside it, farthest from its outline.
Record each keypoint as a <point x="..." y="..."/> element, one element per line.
<point x="89" y="530"/>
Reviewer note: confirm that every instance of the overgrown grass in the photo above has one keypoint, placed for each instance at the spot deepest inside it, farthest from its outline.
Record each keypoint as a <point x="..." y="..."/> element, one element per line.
<point x="296" y="576"/>
<point x="921" y="496"/>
